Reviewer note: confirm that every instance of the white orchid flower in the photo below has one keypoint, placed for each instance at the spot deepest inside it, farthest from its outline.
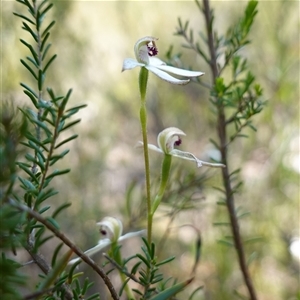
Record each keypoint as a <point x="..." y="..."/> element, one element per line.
<point x="145" y="49"/>
<point x="168" y="139"/>
<point x="110" y="232"/>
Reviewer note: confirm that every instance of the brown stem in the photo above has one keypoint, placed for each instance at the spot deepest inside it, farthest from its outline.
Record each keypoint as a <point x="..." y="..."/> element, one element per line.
<point x="67" y="242"/>
<point x="38" y="294"/>
<point x="40" y="260"/>
<point x="221" y="128"/>
<point x="121" y="269"/>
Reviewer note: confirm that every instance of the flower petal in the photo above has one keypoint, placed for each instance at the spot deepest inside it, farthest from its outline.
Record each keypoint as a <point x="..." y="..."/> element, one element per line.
<point x="190" y="156"/>
<point x="155" y="148"/>
<point x="131" y="234"/>
<point x="150" y="146"/>
<point x="130" y="63"/>
<point x="181" y="72"/>
<point x="187" y="156"/>
<point x="165" y="76"/>
<point x="155" y="61"/>
<point x="106" y="242"/>
<point x="102" y="244"/>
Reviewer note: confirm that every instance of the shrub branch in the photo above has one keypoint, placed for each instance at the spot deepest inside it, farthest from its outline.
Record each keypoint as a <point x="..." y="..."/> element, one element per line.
<point x="221" y="129"/>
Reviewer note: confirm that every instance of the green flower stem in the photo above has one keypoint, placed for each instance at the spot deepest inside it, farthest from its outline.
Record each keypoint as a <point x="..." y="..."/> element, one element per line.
<point x="143" y="79"/>
<point x="165" y="171"/>
<point x="116" y="254"/>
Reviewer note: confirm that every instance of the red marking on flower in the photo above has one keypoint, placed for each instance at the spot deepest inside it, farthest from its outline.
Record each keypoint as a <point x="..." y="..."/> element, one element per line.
<point x="152" y="50"/>
<point x="103" y="232"/>
<point x="178" y="142"/>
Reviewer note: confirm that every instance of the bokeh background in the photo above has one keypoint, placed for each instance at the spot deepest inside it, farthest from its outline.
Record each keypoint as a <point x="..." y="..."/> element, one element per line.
<point x="91" y="39"/>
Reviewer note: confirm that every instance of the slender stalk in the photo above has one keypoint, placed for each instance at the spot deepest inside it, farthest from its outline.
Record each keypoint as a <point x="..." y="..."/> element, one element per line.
<point x="165" y="171"/>
<point x="39" y="259"/>
<point x="118" y="258"/>
<point x="40" y="65"/>
<point x="52" y="147"/>
<point x="143" y="79"/>
<point x="221" y="128"/>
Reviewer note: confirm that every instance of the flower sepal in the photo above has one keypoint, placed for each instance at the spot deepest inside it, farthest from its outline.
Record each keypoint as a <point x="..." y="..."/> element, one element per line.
<point x="168" y="139"/>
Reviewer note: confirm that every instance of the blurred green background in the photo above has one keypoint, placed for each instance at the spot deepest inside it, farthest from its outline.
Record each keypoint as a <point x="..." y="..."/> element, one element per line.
<point x="91" y="39"/>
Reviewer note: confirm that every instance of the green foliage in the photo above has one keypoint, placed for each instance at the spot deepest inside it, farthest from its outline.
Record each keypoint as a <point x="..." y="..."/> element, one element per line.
<point x="239" y="97"/>
<point x="149" y="275"/>
<point x="171" y="291"/>
<point x="10" y="278"/>
<point x="235" y="100"/>
<point x="35" y="149"/>
<point x="42" y="131"/>
<point x="12" y="131"/>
